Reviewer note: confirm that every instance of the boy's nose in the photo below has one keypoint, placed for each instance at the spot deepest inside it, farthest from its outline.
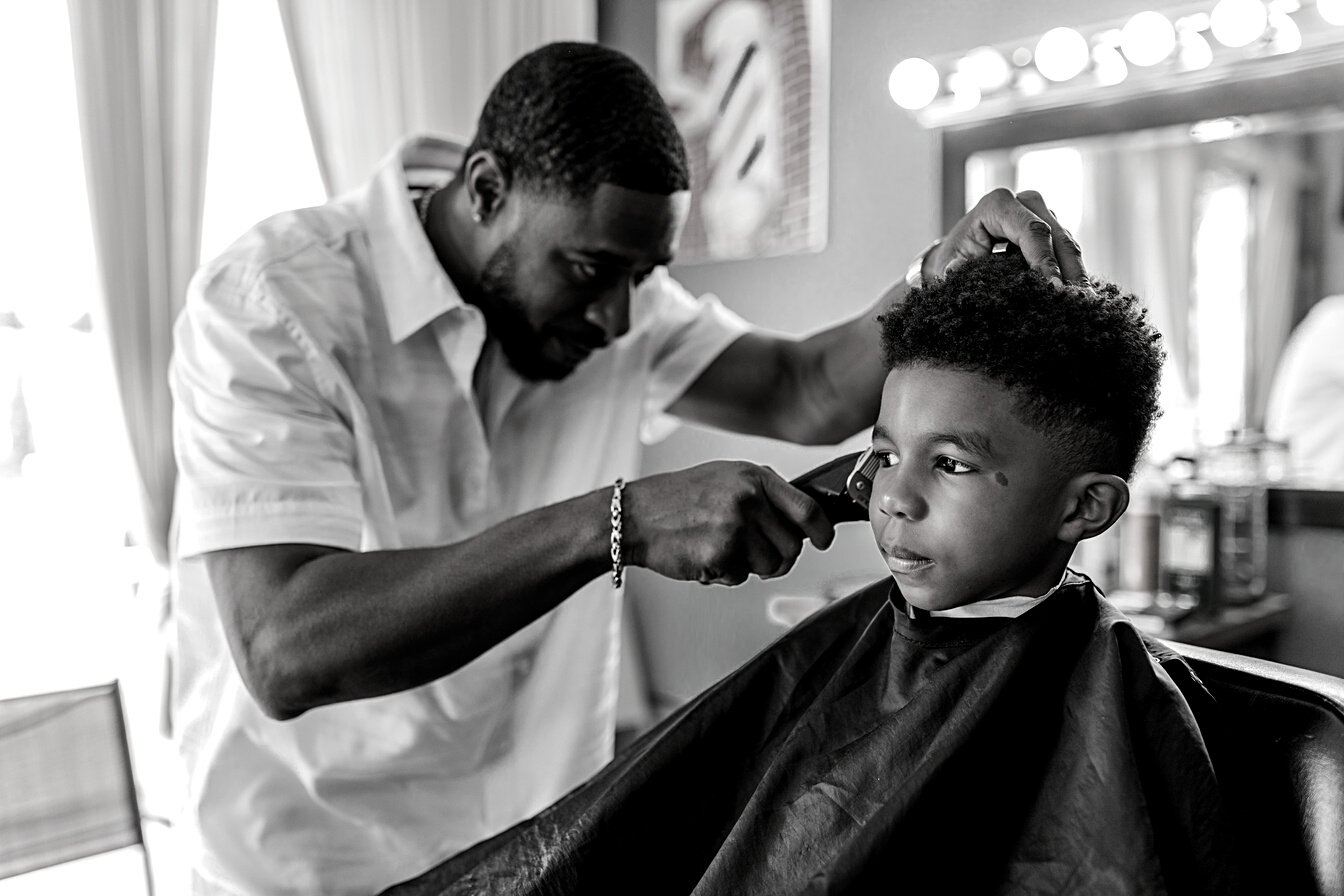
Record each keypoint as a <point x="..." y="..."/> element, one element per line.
<point x="898" y="495"/>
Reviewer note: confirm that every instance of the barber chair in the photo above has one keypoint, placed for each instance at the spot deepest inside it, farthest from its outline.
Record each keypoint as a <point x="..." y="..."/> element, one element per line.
<point x="1282" y="761"/>
<point x="1279" y="753"/>
<point x="67" y="787"/>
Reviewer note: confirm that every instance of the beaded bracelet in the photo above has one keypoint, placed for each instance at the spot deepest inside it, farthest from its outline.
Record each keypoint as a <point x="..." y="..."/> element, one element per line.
<point x="617" y="564"/>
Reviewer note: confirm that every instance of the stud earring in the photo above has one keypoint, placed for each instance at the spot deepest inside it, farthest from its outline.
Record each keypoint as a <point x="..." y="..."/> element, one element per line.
<point x="476" y="216"/>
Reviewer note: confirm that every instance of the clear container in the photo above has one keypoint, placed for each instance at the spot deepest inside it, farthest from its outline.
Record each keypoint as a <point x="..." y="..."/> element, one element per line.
<point x="1237" y="472"/>
<point x="1138" y="555"/>
<point x="1190" y="550"/>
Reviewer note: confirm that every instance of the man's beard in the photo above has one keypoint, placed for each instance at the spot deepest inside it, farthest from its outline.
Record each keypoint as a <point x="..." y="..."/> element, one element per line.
<point x="506" y="320"/>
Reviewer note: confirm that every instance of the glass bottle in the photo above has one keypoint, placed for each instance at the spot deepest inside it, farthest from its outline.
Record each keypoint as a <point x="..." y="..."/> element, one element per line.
<point x="1235" y="470"/>
<point x="1138" y="560"/>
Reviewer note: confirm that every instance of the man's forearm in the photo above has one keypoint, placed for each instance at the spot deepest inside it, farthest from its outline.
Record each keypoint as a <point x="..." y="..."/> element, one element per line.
<point x="318" y="626"/>
<point x="843" y="385"/>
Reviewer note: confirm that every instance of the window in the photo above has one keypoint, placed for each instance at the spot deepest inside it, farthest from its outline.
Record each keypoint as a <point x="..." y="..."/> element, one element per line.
<point x="66" y="493"/>
<point x="1219" y="313"/>
<point x="69" y="612"/>
<point x="261" y="157"/>
<point x="67" y="615"/>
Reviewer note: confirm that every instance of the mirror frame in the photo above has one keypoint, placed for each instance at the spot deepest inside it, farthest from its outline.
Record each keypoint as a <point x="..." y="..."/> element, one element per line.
<point x="1270" y="90"/>
<point x="1319" y="85"/>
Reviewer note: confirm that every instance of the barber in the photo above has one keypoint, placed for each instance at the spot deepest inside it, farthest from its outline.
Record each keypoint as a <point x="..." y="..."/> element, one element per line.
<point x="408" y="425"/>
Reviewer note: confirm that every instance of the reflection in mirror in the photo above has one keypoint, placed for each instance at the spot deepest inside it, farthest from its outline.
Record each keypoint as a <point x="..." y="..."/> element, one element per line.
<point x="1230" y="230"/>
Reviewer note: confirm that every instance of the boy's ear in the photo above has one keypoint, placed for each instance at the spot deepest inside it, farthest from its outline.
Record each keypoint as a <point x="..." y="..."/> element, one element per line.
<point x="1095" y="502"/>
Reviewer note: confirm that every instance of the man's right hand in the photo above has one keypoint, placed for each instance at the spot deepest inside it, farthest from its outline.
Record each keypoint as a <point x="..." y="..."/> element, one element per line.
<point x="719" y="522"/>
<point x="311" y="625"/>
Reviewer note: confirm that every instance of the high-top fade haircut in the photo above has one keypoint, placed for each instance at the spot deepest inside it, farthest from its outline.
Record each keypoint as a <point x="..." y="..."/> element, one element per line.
<point x="1083" y="362"/>
<point x="570" y="116"/>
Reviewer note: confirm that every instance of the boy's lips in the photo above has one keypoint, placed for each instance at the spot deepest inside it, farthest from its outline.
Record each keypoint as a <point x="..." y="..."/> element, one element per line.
<point x="904" y="562"/>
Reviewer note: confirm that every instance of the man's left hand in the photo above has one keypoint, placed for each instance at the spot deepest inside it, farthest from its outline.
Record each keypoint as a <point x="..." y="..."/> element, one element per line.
<point x="1022" y="219"/>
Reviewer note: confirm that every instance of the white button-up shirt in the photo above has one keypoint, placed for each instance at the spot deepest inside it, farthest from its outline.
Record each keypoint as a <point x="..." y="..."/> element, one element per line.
<point x="1306" y="402"/>
<point x="323" y="393"/>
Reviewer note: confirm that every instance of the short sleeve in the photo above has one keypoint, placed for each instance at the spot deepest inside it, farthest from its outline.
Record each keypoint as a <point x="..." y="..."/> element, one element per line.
<point x="686" y="335"/>
<point x="1306" y="401"/>
<point x="264" y="455"/>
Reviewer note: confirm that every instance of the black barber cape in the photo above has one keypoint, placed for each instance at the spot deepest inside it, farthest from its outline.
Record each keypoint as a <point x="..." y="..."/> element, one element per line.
<point x="864" y="751"/>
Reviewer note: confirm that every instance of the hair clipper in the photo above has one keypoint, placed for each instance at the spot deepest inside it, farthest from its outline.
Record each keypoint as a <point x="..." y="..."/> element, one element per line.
<point x="842" y="486"/>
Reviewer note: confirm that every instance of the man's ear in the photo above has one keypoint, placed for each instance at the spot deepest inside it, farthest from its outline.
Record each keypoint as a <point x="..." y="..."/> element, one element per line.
<point x="1095" y="502"/>
<point x="487" y="183"/>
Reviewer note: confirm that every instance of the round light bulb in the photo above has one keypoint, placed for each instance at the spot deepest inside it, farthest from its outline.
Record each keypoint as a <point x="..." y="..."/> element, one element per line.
<point x="986" y="67"/>
<point x="965" y="91"/>
<point x="1030" y="83"/>
<point x="1287" y="37"/>
<point x="1061" y="54"/>
<point x="1109" y="65"/>
<point x="1195" y="52"/>
<point x="1196" y="21"/>
<point x="913" y="83"/>
<point x="1215" y="129"/>
<point x="1331" y="10"/>
<point x="1236" y="23"/>
<point x="1148" y="38"/>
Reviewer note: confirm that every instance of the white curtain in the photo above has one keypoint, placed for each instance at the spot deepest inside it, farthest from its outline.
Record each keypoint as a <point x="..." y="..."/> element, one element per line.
<point x="1272" y="279"/>
<point x="1138" y="230"/>
<point x="143" y="75"/>
<point x="371" y="73"/>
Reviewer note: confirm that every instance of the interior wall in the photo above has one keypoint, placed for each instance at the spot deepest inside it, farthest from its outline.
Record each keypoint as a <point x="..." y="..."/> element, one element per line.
<point x="884" y="195"/>
<point x="1331" y="149"/>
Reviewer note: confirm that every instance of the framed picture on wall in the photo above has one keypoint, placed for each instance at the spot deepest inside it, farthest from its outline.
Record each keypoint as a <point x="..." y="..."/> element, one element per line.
<point x="749" y="82"/>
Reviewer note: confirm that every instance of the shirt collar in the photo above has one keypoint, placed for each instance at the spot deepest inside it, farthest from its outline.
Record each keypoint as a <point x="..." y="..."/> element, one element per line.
<point x="415" y="289"/>
<point x="1008" y="607"/>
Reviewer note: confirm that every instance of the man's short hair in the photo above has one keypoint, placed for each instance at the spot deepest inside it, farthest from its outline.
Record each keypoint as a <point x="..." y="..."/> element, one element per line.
<point x="568" y="117"/>
<point x="1084" y="362"/>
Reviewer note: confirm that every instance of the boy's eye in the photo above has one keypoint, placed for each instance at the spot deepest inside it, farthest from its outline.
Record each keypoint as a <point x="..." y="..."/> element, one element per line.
<point x="952" y="465"/>
<point x="887" y="458"/>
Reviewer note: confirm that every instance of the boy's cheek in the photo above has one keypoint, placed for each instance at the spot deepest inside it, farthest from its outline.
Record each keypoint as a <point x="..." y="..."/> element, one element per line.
<point x="875" y="522"/>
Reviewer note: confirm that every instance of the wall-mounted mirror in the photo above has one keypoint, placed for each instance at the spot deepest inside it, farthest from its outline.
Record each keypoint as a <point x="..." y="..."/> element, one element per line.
<point x="1222" y="206"/>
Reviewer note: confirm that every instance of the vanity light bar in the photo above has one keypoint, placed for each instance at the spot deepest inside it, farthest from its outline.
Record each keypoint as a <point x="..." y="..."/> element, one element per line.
<point x="1197" y="43"/>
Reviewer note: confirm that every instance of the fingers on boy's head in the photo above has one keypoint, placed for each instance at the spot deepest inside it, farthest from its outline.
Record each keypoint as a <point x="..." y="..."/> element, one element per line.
<point x="1084" y="360"/>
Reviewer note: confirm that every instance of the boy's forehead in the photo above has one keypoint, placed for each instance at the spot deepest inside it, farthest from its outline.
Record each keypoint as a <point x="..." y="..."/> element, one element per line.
<point x="922" y="402"/>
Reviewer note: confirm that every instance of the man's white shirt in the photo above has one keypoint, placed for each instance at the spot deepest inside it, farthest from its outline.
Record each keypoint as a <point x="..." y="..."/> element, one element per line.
<point x="323" y="393"/>
<point x="1306" y="401"/>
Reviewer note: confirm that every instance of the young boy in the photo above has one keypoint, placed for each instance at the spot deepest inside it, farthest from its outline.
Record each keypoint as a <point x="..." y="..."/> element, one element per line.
<point x="1010" y="422"/>
<point x="987" y="723"/>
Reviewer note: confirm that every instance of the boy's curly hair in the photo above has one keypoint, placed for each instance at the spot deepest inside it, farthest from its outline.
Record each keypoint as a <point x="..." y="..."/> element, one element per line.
<point x="1084" y="361"/>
